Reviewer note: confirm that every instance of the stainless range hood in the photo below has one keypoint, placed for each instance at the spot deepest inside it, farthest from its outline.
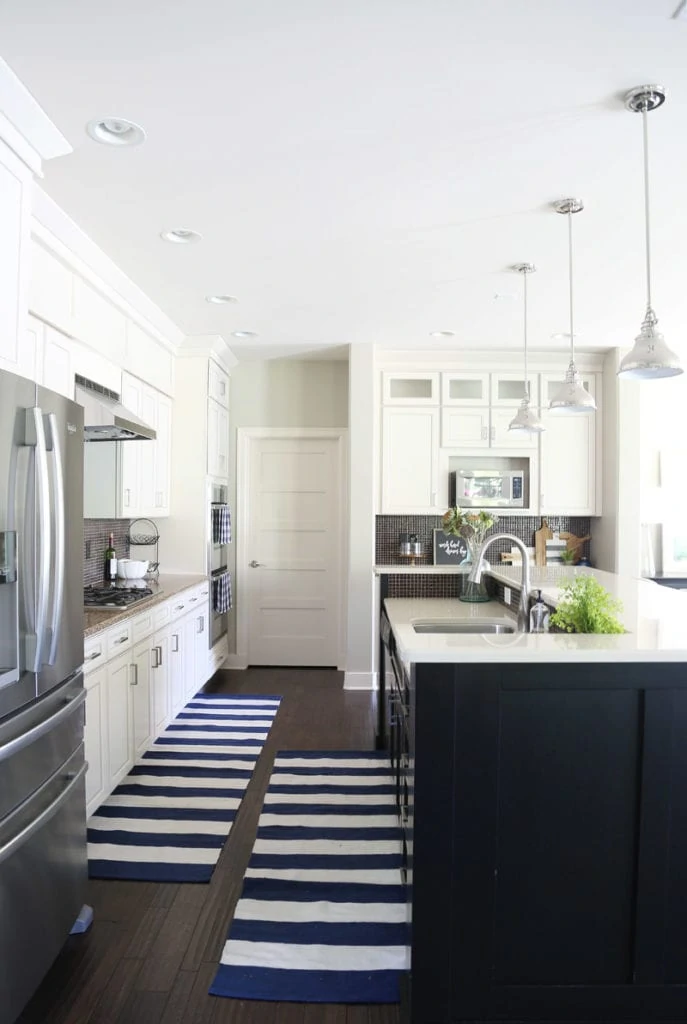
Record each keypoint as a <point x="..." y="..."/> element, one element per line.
<point x="105" y="419"/>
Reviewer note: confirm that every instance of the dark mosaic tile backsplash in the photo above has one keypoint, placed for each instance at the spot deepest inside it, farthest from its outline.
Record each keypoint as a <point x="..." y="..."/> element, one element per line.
<point x="388" y="528"/>
<point x="96" y="534"/>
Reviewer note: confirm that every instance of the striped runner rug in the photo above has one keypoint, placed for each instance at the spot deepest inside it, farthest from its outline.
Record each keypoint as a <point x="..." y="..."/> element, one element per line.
<point x="322" y="915"/>
<point x="170" y="817"/>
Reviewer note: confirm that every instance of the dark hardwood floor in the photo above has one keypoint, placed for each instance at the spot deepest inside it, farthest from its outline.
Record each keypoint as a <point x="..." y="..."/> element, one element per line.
<point x="151" y="953"/>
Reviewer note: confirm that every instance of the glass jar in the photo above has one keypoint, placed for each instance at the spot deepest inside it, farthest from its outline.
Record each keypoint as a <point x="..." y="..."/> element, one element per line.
<point x="474" y="593"/>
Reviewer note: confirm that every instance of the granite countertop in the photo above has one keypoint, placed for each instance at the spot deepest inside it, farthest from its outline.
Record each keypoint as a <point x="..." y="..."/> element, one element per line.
<point x="653" y="616"/>
<point x="164" y="587"/>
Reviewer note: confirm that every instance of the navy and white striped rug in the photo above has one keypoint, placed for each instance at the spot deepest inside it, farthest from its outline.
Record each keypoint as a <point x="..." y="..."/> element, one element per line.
<point x="322" y="915"/>
<point x="170" y="817"/>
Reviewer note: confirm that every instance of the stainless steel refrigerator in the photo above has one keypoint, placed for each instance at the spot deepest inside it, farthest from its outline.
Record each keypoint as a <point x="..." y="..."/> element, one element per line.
<point x="43" y="866"/>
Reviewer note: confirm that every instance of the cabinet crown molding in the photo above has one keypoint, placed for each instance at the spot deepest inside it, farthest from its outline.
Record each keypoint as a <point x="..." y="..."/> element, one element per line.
<point x="25" y="126"/>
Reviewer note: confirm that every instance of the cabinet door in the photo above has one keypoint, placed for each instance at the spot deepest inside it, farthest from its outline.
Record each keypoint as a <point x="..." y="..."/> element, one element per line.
<point x="218" y="439"/>
<point x="148" y="454"/>
<point x="568" y="458"/>
<point x="30" y="353"/>
<point x="15" y="213"/>
<point x="410" y="457"/>
<point x="190" y="628"/>
<point x="98" y="323"/>
<point x="507" y="389"/>
<point x="50" y="288"/>
<point x="163" y="455"/>
<point x="502" y="437"/>
<point x="141" y="697"/>
<point x="201" y="649"/>
<point x="218" y="384"/>
<point x="176" y="667"/>
<point x="57" y="373"/>
<point x="131" y="450"/>
<point x="95" y="738"/>
<point x="161" y="679"/>
<point x="465" y="428"/>
<point x="118" y="705"/>
<point x="465" y="389"/>
<point x="410" y="388"/>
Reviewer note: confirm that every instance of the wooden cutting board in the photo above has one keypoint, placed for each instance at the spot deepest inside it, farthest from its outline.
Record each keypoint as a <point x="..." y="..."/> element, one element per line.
<point x="541" y="536"/>
<point x="574" y="543"/>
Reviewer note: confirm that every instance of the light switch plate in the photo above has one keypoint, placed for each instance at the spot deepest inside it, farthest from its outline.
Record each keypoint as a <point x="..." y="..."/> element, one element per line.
<point x="506" y="594"/>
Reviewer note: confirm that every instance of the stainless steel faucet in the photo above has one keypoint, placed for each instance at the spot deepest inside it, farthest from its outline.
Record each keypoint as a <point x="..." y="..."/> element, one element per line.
<point x="475" y="576"/>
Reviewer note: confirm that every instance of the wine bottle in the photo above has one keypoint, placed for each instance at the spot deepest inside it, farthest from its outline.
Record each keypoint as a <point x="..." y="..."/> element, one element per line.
<point x="110" y="561"/>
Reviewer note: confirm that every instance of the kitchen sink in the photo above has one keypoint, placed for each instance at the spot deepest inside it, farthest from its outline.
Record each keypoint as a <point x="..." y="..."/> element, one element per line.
<point x="464" y="626"/>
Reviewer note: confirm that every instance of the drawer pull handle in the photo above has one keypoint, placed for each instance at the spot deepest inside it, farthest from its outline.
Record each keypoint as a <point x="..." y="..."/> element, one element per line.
<point x="175" y="643"/>
<point x="179" y="608"/>
<point x="122" y="639"/>
<point x="92" y="657"/>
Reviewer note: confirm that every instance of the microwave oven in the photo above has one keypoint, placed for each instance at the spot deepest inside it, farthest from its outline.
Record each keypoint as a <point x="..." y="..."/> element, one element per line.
<point x="487" y="488"/>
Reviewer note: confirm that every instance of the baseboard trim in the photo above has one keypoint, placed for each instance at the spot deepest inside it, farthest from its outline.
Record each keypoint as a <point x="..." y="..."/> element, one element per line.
<point x="236" y="661"/>
<point x="360" y="681"/>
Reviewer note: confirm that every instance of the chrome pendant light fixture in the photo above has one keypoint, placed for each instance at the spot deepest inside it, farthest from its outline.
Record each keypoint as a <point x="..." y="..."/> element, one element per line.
<point x="526" y="420"/>
<point x="572" y="396"/>
<point x="650" y="358"/>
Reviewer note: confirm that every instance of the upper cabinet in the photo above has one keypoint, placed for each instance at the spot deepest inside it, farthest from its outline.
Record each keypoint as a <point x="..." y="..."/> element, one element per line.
<point x="218" y="440"/>
<point x="47" y="357"/>
<point x="50" y="288"/>
<point x="218" y="384"/>
<point x="98" y="323"/>
<point x="430" y="418"/>
<point x="568" y="479"/>
<point x="410" y="388"/>
<point x="15" y="212"/>
<point x="147" y="359"/>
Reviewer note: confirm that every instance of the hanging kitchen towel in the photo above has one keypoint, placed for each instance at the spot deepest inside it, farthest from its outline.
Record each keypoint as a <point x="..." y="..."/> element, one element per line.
<point x="221" y="593"/>
<point x="221" y="524"/>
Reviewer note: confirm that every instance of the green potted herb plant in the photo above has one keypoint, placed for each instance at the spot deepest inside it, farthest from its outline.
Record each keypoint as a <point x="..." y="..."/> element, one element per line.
<point x="587" y="607"/>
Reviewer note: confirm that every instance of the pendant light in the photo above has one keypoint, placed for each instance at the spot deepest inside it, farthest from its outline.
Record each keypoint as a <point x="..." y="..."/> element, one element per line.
<point x="526" y="420"/>
<point x="650" y="358"/>
<point x="572" y="396"/>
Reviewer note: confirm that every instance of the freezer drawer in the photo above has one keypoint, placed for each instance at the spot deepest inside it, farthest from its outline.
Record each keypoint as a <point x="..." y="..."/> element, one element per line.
<point x="36" y="741"/>
<point x="43" y="875"/>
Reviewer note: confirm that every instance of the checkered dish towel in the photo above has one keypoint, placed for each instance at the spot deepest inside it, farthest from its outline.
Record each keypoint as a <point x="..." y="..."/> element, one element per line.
<point x="221" y="592"/>
<point x="221" y="524"/>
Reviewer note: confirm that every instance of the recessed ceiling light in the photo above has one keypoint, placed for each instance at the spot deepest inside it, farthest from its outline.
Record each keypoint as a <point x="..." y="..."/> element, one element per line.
<point x="220" y="300"/>
<point x="244" y="334"/>
<point x="180" y="236"/>
<point x="442" y="334"/>
<point x="116" y="131"/>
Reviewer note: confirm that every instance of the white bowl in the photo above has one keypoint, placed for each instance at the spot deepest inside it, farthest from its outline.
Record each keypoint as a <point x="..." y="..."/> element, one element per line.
<point x="131" y="568"/>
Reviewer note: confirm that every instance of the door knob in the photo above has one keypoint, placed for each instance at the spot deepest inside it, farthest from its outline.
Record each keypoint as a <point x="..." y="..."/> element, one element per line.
<point x="254" y="564"/>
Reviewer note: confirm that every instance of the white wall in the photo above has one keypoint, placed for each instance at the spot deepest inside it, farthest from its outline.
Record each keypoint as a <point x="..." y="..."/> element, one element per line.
<point x="282" y="393"/>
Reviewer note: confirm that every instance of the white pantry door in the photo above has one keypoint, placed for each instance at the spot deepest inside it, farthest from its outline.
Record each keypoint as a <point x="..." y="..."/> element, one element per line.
<point x="293" y="574"/>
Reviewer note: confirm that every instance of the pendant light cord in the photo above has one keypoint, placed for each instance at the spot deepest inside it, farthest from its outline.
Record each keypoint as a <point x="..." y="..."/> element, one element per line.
<point x="570" y="281"/>
<point x="645" y="126"/>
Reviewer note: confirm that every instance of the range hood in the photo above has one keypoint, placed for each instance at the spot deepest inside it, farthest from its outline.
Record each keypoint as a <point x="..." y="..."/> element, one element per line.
<point x="105" y="419"/>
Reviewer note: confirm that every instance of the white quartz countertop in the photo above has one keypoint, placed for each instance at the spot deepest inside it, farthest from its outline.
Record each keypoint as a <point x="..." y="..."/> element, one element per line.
<point x="655" y="618"/>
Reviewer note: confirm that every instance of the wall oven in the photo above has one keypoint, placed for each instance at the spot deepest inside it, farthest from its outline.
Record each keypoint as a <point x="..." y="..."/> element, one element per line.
<point x="219" y="538"/>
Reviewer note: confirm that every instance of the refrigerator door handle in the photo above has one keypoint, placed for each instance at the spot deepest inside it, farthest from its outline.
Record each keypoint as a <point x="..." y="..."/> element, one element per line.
<point x="13" y="746"/>
<point x="35" y="437"/>
<point x="16" y="842"/>
<point x="52" y="442"/>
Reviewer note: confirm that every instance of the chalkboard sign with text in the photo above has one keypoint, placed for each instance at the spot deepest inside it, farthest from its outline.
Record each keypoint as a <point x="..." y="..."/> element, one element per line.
<point x="449" y="549"/>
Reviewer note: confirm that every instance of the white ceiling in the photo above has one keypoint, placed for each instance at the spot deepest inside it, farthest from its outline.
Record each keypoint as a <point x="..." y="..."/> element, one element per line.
<point x="364" y="171"/>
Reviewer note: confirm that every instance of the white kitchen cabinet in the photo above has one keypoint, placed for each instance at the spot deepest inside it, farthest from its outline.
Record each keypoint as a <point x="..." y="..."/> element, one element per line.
<point x="465" y="389"/>
<point x="31" y="351"/>
<point x="161" y="679"/>
<point x="410" y="460"/>
<point x="148" y="359"/>
<point x="201" y="648"/>
<point x="410" y="388"/>
<point x="126" y="479"/>
<point x="95" y="738"/>
<point x="507" y="389"/>
<point x="97" y="322"/>
<point x="501" y="437"/>
<point x="218" y="439"/>
<point x="57" y="371"/>
<point x="51" y="288"/>
<point x="465" y="427"/>
<point x="218" y="383"/>
<point x="119" y="718"/>
<point x="177" y="667"/>
<point x="141" y="697"/>
<point x="163" y="456"/>
<point x="15" y="213"/>
<point x="568" y="482"/>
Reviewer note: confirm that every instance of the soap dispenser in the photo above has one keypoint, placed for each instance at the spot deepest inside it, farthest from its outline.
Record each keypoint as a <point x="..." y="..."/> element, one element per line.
<point x="539" y="616"/>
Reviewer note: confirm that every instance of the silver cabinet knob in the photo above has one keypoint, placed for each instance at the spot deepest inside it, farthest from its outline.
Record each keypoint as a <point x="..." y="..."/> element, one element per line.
<point x="254" y="564"/>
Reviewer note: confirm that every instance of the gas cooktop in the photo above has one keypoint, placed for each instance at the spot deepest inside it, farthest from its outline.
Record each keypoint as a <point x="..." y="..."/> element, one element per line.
<point x="114" y="598"/>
